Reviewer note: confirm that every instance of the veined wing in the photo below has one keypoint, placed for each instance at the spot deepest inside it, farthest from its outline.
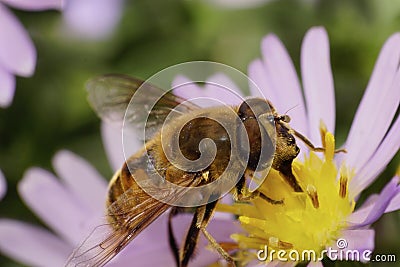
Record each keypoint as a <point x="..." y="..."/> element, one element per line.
<point x="107" y="240"/>
<point x="110" y="95"/>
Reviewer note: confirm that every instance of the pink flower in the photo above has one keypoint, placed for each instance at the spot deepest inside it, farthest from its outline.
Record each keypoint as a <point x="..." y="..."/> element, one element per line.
<point x="17" y="52"/>
<point x="92" y="19"/>
<point x="372" y="142"/>
<point x="72" y="206"/>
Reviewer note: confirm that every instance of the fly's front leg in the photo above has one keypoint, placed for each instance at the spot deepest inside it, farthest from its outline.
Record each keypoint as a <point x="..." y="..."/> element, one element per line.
<point x="311" y="146"/>
<point x="199" y="223"/>
<point x="242" y="194"/>
<point x="208" y="212"/>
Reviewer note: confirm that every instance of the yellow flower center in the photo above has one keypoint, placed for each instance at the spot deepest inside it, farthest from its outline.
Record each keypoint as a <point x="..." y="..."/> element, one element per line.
<point x="309" y="220"/>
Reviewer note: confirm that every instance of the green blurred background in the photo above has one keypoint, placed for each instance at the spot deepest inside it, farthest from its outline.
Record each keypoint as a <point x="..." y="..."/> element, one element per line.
<point x="50" y="111"/>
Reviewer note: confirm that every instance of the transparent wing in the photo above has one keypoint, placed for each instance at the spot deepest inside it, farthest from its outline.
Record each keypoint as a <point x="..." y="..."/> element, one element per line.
<point x="108" y="239"/>
<point x="110" y="95"/>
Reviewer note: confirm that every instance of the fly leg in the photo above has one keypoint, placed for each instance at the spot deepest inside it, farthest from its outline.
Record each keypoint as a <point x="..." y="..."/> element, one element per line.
<point x="191" y="237"/>
<point x="171" y="238"/>
<point x="241" y="193"/>
<point x="199" y="223"/>
<point x="209" y="210"/>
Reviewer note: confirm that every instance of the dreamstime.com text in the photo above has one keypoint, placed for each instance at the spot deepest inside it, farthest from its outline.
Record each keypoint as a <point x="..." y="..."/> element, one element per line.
<point x="339" y="253"/>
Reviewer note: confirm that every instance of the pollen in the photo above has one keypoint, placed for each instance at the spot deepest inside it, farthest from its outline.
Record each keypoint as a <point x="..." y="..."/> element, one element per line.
<point x="205" y="175"/>
<point x="309" y="220"/>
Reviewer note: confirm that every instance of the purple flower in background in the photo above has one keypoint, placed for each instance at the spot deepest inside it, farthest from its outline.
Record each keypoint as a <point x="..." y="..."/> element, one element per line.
<point x="3" y="185"/>
<point x="17" y="51"/>
<point x="92" y="19"/>
<point x="72" y="206"/>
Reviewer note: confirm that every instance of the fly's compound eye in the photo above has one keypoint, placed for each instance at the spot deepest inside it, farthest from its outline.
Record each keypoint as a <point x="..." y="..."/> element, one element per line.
<point x="285" y="118"/>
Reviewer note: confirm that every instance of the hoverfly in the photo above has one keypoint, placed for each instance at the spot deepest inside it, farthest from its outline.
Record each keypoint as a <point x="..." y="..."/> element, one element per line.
<point x="130" y="208"/>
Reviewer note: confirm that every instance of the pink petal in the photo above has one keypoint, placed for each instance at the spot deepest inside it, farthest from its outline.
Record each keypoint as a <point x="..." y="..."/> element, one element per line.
<point x="145" y="258"/>
<point x="32" y="245"/>
<point x="318" y="82"/>
<point x="116" y="144"/>
<point x="92" y="19"/>
<point x="112" y="141"/>
<point x="7" y="88"/>
<point x="278" y="263"/>
<point x="395" y="202"/>
<point x="82" y="179"/>
<point x="142" y="247"/>
<point x="362" y="212"/>
<point x="356" y="240"/>
<point x="35" y="5"/>
<point x="221" y="88"/>
<point x="284" y="82"/>
<point x="274" y="263"/>
<point x="3" y="185"/>
<point x="376" y="164"/>
<point x="378" y="106"/>
<point x="55" y="204"/>
<point x="17" y="53"/>
<point x="186" y="88"/>
<point x="369" y="214"/>
<point x="220" y="229"/>
<point x="261" y="84"/>
<point x="315" y="264"/>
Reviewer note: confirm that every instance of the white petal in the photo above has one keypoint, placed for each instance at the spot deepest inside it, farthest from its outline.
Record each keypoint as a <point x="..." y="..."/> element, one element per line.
<point x="55" y="204"/>
<point x="17" y="52"/>
<point x="82" y="179"/>
<point x="32" y="245"/>
<point x="35" y="5"/>
<point x="92" y="19"/>
<point x="7" y="88"/>
<point x="3" y="185"/>
<point x="378" y="106"/>
<point x="318" y="82"/>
